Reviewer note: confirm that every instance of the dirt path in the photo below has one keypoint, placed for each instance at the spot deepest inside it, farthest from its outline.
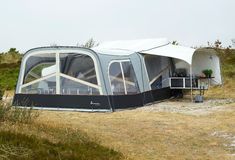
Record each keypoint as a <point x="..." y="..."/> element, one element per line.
<point x="168" y="130"/>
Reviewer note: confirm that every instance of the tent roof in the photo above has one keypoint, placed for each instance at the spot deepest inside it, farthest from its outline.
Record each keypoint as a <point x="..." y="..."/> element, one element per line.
<point x="160" y="47"/>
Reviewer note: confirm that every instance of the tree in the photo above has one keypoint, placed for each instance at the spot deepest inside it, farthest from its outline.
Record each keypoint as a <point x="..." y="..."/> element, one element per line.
<point x="175" y="43"/>
<point x="13" y="50"/>
<point x="89" y="44"/>
<point x="218" y="44"/>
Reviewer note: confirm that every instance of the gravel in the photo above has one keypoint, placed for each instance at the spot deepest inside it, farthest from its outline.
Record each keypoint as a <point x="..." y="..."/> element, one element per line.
<point x="187" y="107"/>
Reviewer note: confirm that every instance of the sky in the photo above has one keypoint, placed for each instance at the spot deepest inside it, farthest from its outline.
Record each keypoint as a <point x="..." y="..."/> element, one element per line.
<point x="26" y="24"/>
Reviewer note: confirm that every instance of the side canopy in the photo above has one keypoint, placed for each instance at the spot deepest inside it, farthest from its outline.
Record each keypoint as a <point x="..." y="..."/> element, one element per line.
<point x="199" y="59"/>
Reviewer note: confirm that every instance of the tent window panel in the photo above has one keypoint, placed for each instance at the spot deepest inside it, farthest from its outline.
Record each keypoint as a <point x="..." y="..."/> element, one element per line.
<point x="70" y="87"/>
<point x="39" y="66"/>
<point x="153" y="66"/>
<point x="79" y="66"/>
<point x="130" y="78"/>
<point x="157" y="84"/>
<point x="47" y="86"/>
<point x="158" y="69"/>
<point x="116" y="79"/>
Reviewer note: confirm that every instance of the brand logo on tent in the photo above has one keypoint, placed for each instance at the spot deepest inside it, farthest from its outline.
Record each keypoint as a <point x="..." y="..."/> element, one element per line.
<point x="94" y="104"/>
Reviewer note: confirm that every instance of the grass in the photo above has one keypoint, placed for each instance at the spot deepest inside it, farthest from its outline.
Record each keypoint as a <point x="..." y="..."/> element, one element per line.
<point x="17" y="115"/>
<point x="154" y="135"/>
<point x="227" y="90"/>
<point x="22" y="138"/>
<point x="21" y="146"/>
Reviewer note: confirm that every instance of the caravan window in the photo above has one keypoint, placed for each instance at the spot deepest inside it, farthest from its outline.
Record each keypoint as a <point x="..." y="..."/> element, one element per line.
<point x="39" y="74"/>
<point x="122" y="78"/>
<point x="78" y="75"/>
<point x="158" y="69"/>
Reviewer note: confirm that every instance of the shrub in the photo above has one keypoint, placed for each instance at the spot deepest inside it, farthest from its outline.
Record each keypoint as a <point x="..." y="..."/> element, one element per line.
<point x="4" y="110"/>
<point x="207" y="72"/>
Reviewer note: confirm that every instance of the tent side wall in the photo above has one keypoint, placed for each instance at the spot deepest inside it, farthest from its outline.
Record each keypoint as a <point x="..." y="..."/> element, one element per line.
<point x="132" y="74"/>
<point x="146" y="94"/>
<point x="52" y="99"/>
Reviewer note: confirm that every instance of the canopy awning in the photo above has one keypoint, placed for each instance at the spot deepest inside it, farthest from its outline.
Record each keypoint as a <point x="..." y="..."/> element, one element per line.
<point x="173" y="51"/>
<point x="160" y="47"/>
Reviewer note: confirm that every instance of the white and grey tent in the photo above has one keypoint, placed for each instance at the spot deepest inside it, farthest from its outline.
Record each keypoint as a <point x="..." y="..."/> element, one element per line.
<point x="114" y="75"/>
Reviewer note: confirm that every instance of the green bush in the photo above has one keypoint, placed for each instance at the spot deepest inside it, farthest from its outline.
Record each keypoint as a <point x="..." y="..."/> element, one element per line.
<point x="207" y="72"/>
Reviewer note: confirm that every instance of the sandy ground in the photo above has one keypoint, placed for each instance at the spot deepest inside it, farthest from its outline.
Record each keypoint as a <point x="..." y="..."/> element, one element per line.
<point x="185" y="106"/>
<point x="167" y="130"/>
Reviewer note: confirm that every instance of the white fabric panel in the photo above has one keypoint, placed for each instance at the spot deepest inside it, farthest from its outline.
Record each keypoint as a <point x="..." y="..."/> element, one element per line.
<point x="160" y="47"/>
<point x="173" y="51"/>
<point x="210" y="60"/>
<point x="133" y="45"/>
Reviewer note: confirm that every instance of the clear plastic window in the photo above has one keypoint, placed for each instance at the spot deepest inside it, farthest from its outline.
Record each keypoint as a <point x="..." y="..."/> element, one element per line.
<point x="47" y="86"/>
<point x="38" y="66"/>
<point x="130" y="78"/>
<point x="70" y="87"/>
<point x="158" y="69"/>
<point x="116" y="79"/>
<point x="122" y="78"/>
<point x="76" y="75"/>
<point x="79" y="66"/>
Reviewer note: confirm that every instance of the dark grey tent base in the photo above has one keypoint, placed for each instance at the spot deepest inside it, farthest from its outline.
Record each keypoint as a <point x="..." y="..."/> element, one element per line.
<point x="91" y="102"/>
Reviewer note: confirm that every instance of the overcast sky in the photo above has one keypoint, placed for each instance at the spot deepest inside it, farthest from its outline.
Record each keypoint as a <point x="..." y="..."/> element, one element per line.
<point x="26" y="24"/>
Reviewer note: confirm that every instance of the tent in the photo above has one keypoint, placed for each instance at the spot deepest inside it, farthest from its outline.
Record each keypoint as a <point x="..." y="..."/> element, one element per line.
<point x="114" y="75"/>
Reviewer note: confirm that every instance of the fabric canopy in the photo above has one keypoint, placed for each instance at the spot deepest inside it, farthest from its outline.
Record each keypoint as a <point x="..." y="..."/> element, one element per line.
<point x="160" y="47"/>
<point x="179" y="52"/>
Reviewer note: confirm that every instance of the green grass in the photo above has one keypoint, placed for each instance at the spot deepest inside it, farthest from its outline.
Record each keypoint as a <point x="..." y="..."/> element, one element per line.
<point x="22" y="138"/>
<point x="19" y="146"/>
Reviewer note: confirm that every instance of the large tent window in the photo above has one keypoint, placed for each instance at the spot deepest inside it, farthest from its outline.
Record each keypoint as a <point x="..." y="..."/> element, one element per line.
<point x="130" y="78"/>
<point x="122" y="78"/>
<point x="78" y="75"/>
<point x="70" y="87"/>
<point x="79" y="66"/>
<point x="60" y="73"/>
<point x="116" y="79"/>
<point x="39" y="66"/>
<point x="46" y="86"/>
<point x="158" y="69"/>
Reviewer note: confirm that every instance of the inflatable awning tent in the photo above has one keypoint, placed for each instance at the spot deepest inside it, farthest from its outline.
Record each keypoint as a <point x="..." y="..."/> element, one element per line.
<point x="113" y="75"/>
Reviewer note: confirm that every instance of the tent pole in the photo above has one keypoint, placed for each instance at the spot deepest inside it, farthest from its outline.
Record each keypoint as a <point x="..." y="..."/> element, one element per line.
<point x="191" y="81"/>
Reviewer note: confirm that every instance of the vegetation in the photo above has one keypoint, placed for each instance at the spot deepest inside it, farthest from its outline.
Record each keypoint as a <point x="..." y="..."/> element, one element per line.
<point x="22" y="138"/>
<point x="15" y="146"/>
<point x="89" y="44"/>
<point x="9" y="69"/>
<point x="227" y="60"/>
<point x="147" y="134"/>
<point x="16" y="115"/>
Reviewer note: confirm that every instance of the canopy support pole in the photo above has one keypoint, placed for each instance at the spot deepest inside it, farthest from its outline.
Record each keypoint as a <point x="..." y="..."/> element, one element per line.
<point x="191" y="83"/>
